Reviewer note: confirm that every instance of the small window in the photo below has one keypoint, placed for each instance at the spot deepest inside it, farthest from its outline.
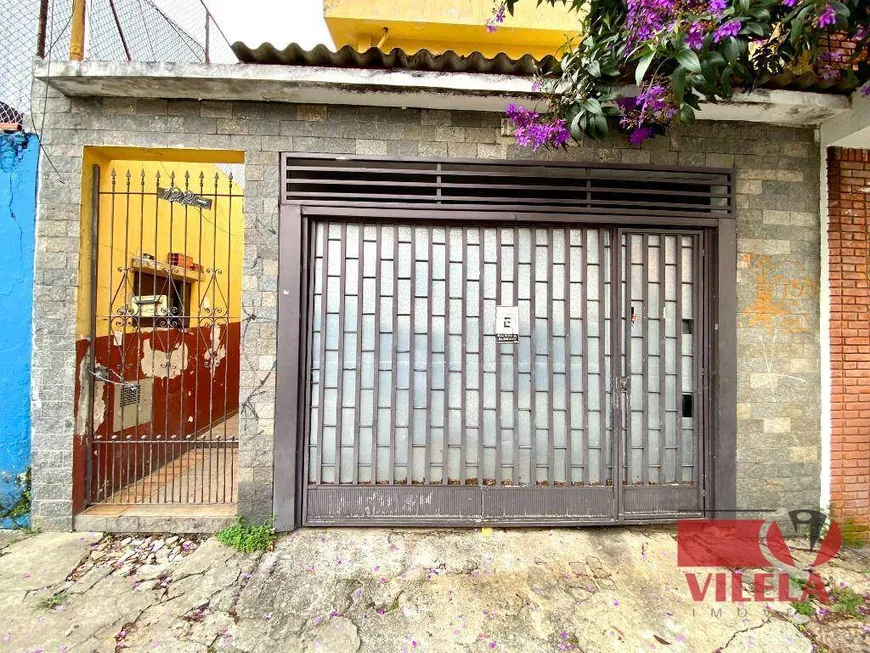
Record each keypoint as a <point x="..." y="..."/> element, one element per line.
<point x="688" y="408"/>
<point x="161" y="300"/>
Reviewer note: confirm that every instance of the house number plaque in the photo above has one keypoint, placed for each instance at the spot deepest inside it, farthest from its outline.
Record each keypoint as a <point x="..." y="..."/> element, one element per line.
<point x="185" y="197"/>
<point x="507" y="323"/>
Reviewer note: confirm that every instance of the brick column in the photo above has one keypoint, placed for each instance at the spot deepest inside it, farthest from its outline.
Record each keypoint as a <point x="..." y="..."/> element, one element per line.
<point x="849" y="244"/>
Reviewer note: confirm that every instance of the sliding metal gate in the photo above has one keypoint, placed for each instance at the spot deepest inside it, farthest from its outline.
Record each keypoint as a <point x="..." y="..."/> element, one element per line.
<point x="417" y="411"/>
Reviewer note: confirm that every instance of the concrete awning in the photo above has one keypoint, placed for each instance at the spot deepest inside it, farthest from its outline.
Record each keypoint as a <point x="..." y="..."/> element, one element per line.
<point x="379" y="87"/>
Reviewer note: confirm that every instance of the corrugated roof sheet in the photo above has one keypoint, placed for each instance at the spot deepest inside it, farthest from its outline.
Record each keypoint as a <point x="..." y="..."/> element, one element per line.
<point x="373" y="58"/>
<point x="452" y="62"/>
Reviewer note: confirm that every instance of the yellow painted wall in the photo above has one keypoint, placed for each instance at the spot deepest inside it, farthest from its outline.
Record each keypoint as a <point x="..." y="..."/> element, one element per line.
<point x="440" y="25"/>
<point x="213" y="237"/>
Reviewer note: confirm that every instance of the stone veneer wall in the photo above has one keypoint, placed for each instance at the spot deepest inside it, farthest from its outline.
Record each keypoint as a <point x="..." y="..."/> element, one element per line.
<point x="777" y="199"/>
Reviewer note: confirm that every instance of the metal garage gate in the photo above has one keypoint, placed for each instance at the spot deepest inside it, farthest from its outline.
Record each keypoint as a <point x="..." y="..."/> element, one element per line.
<point x="418" y="413"/>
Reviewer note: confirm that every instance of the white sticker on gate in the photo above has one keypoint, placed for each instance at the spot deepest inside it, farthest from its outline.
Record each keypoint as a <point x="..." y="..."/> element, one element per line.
<point x="507" y="323"/>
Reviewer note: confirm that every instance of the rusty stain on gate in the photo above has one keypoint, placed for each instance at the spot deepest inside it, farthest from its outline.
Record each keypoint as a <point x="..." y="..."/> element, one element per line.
<point x="162" y="359"/>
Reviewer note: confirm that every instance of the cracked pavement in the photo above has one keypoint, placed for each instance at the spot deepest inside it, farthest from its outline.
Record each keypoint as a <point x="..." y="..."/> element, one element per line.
<point x="383" y="591"/>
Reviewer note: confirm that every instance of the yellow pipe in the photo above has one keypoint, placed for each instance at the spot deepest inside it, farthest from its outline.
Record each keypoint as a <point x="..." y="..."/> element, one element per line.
<point x="77" y="31"/>
<point x="383" y="38"/>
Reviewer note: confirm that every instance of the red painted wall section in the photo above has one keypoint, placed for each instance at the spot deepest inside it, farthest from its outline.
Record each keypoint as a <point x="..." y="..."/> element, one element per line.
<point x="849" y="268"/>
<point x="195" y="375"/>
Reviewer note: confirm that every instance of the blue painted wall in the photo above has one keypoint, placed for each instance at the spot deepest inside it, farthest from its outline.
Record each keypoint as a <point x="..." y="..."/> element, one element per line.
<point x="19" y="155"/>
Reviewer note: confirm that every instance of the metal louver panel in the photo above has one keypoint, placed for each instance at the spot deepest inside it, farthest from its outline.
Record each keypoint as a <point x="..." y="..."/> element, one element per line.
<point x="521" y="186"/>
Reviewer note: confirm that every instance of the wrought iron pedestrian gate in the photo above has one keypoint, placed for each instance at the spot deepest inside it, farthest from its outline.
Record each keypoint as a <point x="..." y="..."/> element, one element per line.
<point x="419" y="414"/>
<point x="159" y="371"/>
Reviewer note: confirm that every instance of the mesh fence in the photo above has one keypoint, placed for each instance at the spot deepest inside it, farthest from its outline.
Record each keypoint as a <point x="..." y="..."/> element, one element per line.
<point x="18" y="27"/>
<point x="116" y="30"/>
<point x="155" y="30"/>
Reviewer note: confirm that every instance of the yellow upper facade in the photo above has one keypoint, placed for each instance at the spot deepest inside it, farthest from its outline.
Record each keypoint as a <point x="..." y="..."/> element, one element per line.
<point x="440" y="25"/>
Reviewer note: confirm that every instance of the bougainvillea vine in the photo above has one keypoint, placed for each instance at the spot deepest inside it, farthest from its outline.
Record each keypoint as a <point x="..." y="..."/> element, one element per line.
<point x="680" y="53"/>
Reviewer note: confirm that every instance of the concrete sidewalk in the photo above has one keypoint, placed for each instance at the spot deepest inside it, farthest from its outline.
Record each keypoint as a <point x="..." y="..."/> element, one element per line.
<point x="385" y="591"/>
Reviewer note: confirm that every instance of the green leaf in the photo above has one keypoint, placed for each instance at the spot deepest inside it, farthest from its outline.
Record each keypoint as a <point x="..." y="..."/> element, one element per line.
<point x="687" y="114"/>
<point x="594" y="69"/>
<point x="713" y="58"/>
<point x="689" y="60"/>
<point x="576" y="127"/>
<point x="754" y="28"/>
<point x="593" y="106"/>
<point x="642" y="67"/>
<point x="840" y="7"/>
<point x="709" y="70"/>
<point x="732" y="49"/>
<point x="797" y="26"/>
<point x="678" y="83"/>
<point x="598" y="125"/>
<point x="726" y="81"/>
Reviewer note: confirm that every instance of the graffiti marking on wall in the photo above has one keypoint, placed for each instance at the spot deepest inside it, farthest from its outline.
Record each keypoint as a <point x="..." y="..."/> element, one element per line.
<point x="777" y="305"/>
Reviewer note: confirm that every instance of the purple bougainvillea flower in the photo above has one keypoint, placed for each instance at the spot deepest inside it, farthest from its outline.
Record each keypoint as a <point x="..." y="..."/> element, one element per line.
<point x="646" y="18"/>
<point x="789" y="3"/>
<point x="866" y="90"/>
<point x="827" y="17"/>
<point x="531" y="131"/>
<point x="655" y="100"/>
<point x="626" y="103"/>
<point x="695" y="36"/>
<point x="496" y="19"/>
<point x="828" y="65"/>
<point x="717" y="6"/>
<point x="639" y="135"/>
<point x="731" y="28"/>
<point x="559" y="133"/>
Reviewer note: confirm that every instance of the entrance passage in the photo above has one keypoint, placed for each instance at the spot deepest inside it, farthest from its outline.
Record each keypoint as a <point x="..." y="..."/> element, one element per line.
<point x="159" y="370"/>
<point x="424" y="410"/>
